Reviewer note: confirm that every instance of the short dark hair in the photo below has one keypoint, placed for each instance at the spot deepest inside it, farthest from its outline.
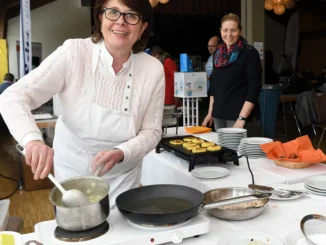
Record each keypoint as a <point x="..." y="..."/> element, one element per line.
<point x="157" y="50"/>
<point x="9" y="77"/>
<point x="142" y="7"/>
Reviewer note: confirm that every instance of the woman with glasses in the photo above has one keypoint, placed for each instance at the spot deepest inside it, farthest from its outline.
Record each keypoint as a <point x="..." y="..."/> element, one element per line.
<point x="112" y="95"/>
<point x="235" y="79"/>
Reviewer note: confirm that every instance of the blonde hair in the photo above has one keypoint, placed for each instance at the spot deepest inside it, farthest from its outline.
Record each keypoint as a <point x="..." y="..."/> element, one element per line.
<point x="233" y="17"/>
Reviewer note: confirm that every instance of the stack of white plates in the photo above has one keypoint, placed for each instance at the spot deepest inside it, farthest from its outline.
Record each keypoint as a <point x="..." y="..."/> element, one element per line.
<point x="231" y="137"/>
<point x="251" y="147"/>
<point x="316" y="184"/>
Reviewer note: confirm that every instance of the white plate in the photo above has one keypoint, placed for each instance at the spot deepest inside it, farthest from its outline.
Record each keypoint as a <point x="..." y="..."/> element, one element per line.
<point x="315" y="192"/>
<point x="318" y="182"/>
<point x="314" y="189"/>
<point x="249" y="238"/>
<point x="275" y="197"/>
<point x="232" y="130"/>
<point x="210" y="172"/>
<point x="295" y="238"/>
<point x="256" y="140"/>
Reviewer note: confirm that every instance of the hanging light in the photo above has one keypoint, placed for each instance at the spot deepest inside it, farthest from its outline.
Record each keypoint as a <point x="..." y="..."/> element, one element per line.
<point x="269" y="4"/>
<point x="163" y="1"/>
<point x="289" y="4"/>
<point x="278" y="2"/>
<point x="279" y="9"/>
<point x="279" y="6"/>
<point x="153" y="3"/>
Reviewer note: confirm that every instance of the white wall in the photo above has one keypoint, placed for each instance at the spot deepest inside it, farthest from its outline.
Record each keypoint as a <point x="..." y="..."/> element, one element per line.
<point x="51" y="25"/>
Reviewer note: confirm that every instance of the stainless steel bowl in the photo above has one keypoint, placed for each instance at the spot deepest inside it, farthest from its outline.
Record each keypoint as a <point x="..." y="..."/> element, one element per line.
<point x="313" y="227"/>
<point x="233" y="214"/>
<point x="82" y="218"/>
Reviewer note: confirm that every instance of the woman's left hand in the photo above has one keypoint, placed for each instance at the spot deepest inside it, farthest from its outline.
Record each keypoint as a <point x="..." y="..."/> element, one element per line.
<point x="108" y="159"/>
<point x="239" y="124"/>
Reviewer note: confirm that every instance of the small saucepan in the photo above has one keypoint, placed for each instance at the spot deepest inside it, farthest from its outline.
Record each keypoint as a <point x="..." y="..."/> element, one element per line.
<point x="86" y="217"/>
<point x="164" y="205"/>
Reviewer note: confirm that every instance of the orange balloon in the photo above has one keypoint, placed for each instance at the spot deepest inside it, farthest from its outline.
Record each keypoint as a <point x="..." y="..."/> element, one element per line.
<point x="153" y="3"/>
<point x="279" y="9"/>
<point x="163" y="1"/>
<point x="289" y="4"/>
<point x="269" y="4"/>
<point x="278" y="1"/>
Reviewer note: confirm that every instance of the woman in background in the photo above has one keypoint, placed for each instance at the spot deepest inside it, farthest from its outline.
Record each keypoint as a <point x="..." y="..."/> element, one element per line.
<point x="235" y="80"/>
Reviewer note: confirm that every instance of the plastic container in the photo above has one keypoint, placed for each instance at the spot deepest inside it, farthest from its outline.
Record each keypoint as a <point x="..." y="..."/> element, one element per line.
<point x="269" y="102"/>
<point x="11" y="238"/>
<point x="4" y="214"/>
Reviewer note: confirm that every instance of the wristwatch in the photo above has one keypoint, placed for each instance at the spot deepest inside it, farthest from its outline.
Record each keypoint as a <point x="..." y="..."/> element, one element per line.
<point x="242" y="118"/>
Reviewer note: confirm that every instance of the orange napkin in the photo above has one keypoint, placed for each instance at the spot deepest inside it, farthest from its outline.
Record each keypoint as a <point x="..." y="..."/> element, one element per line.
<point x="298" y="150"/>
<point x="197" y="130"/>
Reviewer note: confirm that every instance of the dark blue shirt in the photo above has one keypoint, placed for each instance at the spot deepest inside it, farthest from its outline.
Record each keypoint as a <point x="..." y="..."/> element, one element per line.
<point x="4" y="86"/>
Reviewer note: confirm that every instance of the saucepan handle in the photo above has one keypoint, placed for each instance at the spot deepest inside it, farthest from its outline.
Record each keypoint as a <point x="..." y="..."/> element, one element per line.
<point x="21" y="149"/>
<point x="33" y="242"/>
<point x="98" y="170"/>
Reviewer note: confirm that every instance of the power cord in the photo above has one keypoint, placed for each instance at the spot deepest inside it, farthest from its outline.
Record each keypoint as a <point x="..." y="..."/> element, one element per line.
<point x="5" y="177"/>
<point x="252" y="175"/>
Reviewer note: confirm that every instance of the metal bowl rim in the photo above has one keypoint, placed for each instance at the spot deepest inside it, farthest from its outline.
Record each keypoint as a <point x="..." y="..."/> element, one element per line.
<point x="310" y="217"/>
<point x="76" y="178"/>
<point x="238" y="188"/>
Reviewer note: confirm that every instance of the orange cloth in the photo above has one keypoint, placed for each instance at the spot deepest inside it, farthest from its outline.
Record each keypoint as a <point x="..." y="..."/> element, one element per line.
<point x="197" y="130"/>
<point x="298" y="150"/>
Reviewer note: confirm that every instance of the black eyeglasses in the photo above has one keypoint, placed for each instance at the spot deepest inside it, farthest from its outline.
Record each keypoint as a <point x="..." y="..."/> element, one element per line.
<point x="130" y="18"/>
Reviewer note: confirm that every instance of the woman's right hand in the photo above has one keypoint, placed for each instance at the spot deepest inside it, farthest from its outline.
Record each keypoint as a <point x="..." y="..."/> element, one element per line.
<point x="40" y="157"/>
<point x="208" y="121"/>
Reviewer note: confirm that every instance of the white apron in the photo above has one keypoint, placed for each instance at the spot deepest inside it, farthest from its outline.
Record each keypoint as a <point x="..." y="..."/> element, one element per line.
<point x="89" y="129"/>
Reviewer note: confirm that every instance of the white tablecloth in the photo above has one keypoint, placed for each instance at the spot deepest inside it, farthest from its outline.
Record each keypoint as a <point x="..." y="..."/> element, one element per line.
<point x="279" y="218"/>
<point x="166" y="168"/>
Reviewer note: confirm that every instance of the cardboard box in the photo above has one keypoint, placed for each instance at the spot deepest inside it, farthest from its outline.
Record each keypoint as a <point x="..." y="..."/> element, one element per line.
<point x="190" y="84"/>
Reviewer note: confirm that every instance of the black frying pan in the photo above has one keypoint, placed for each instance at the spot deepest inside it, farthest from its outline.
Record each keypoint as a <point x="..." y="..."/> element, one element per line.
<point x="159" y="205"/>
<point x="163" y="205"/>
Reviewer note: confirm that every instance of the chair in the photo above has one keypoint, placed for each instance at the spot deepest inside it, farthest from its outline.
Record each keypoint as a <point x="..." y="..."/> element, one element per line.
<point x="170" y="118"/>
<point x="320" y="104"/>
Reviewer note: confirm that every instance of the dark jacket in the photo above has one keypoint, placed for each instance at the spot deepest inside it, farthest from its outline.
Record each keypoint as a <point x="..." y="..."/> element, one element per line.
<point x="305" y="108"/>
<point x="241" y="81"/>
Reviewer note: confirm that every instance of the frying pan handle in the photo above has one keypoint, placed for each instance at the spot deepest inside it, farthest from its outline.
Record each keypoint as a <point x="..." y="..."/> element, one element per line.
<point x="233" y="201"/>
<point x="261" y="187"/>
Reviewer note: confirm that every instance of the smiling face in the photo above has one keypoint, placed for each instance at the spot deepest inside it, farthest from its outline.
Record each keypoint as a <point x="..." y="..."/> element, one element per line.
<point x="119" y="35"/>
<point x="230" y="32"/>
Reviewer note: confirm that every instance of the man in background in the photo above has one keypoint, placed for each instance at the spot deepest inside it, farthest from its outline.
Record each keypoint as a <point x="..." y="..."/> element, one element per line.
<point x="8" y="80"/>
<point x="212" y="46"/>
<point x="169" y="68"/>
